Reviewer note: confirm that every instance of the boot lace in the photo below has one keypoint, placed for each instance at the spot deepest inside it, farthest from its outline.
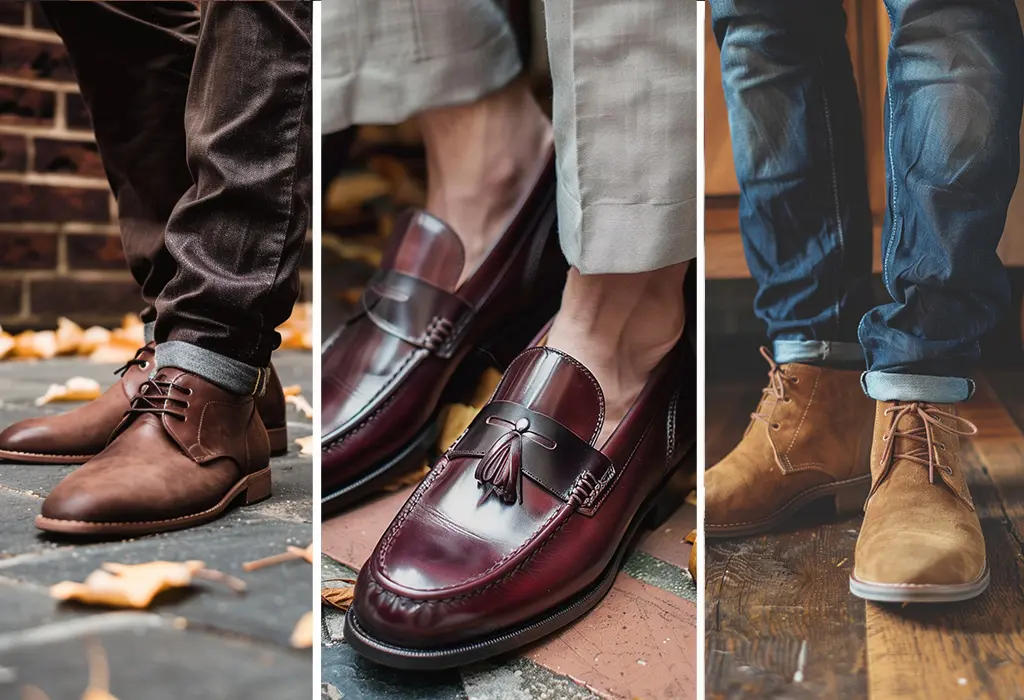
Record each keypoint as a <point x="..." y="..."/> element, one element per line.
<point x="776" y="389"/>
<point x="922" y="438"/>
<point x="154" y="396"/>
<point x="134" y="362"/>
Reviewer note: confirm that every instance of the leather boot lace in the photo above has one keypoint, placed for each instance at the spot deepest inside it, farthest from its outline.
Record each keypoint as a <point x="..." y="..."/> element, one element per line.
<point x="774" y="392"/>
<point x="155" y="397"/>
<point x="134" y="362"/>
<point x="920" y="445"/>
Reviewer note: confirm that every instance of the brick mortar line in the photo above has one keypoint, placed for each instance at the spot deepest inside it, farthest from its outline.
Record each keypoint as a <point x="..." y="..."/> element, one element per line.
<point x="39" y="84"/>
<point x="31" y="33"/>
<point x="81" y="182"/>
<point x="48" y="132"/>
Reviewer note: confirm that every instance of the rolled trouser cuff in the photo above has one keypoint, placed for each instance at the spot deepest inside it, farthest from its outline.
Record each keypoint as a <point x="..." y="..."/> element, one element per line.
<point x="149" y="332"/>
<point x="227" y="373"/>
<point x="888" y="386"/>
<point x="816" y="351"/>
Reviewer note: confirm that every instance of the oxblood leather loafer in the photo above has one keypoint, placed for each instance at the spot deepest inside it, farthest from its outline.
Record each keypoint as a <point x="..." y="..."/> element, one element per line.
<point x="184" y="452"/>
<point x="520" y="527"/>
<point x="76" y="436"/>
<point x="420" y="341"/>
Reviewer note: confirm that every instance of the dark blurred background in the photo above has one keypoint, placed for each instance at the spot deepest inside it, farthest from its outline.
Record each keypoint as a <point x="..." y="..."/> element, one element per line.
<point x="60" y="254"/>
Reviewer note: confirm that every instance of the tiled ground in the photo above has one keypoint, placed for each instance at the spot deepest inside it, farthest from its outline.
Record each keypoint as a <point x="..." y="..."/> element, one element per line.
<point x="640" y="642"/>
<point x="203" y="643"/>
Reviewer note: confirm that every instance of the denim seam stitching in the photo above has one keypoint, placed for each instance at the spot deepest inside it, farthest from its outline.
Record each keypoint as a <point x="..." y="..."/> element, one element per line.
<point x="891" y="252"/>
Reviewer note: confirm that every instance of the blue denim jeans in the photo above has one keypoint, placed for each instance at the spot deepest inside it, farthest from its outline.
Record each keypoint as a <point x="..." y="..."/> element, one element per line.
<point x="952" y="120"/>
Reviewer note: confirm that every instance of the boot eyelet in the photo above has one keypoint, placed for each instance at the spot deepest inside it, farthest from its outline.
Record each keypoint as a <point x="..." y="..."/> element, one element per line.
<point x="787" y="400"/>
<point x="188" y="392"/>
<point x="941" y="447"/>
<point x="796" y="380"/>
<point x="775" y="426"/>
<point x="144" y="365"/>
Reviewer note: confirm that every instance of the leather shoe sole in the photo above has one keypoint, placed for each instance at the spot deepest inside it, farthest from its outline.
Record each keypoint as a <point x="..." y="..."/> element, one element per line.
<point x="657" y="508"/>
<point x="253" y="488"/>
<point x="918" y="592"/>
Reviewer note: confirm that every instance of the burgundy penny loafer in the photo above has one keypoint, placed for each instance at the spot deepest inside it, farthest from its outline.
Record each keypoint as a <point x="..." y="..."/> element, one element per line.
<point x="419" y="341"/>
<point x="522" y="524"/>
<point x="76" y="436"/>
<point x="184" y="452"/>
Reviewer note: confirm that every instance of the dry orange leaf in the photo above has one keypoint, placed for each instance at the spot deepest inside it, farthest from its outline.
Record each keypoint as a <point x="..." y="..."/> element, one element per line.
<point x="302" y="635"/>
<point x="306" y="443"/>
<point x="6" y="344"/>
<point x="93" y="338"/>
<point x="340" y="598"/>
<point x="691" y="565"/>
<point x="35" y="345"/>
<point x="410" y="479"/>
<point x="300" y="403"/>
<point x="69" y="336"/>
<point x="288" y="555"/>
<point x="74" y="389"/>
<point x="136" y="585"/>
<point x="292" y="390"/>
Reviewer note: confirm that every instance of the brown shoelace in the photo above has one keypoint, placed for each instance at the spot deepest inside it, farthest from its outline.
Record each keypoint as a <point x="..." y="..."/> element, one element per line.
<point x="776" y="388"/>
<point x="155" y="397"/>
<point x="924" y="447"/>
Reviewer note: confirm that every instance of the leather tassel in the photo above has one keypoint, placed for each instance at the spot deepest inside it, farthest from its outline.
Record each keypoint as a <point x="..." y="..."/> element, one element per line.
<point x="501" y="469"/>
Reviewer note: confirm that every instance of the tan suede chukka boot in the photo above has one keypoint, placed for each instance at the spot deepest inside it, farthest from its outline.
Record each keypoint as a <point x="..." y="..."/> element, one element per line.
<point x="921" y="540"/>
<point x="809" y="438"/>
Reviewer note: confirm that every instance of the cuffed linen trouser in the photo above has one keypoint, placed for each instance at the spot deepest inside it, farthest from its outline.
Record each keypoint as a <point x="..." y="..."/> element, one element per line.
<point x="203" y="120"/>
<point x="625" y="105"/>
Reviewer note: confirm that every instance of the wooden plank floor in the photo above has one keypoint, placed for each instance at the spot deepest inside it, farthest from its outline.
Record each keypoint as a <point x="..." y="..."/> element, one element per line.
<point x="780" y="621"/>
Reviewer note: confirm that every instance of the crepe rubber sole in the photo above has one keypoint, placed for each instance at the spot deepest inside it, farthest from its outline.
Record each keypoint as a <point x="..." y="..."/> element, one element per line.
<point x="919" y="593"/>
<point x="253" y="488"/>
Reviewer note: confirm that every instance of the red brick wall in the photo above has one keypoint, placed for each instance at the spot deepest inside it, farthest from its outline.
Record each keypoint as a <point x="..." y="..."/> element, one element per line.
<point x="60" y="254"/>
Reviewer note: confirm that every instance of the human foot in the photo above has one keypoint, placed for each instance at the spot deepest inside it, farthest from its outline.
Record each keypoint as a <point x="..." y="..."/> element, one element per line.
<point x="619" y="327"/>
<point x="482" y="162"/>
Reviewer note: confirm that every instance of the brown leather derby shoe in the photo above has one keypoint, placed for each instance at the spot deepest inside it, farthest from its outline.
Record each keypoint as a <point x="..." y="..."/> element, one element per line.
<point x="520" y="527"/>
<point x="76" y="436"/>
<point x="184" y="452"/>
<point x="419" y="341"/>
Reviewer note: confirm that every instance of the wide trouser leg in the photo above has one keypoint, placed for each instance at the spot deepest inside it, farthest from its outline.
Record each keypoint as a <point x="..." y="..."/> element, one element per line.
<point x="237" y="234"/>
<point x="953" y="114"/>
<point x="133" y="62"/>
<point x="386" y="60"/>
<point x="625" y="121"/>
<point x="805" y="218"/>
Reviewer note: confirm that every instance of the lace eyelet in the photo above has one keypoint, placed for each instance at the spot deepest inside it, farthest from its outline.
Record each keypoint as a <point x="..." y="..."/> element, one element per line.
<point x="941" y="446"/>
<point x="188" y="392"/>
<point x="885" y="438"/>
<point x="795" y="380"/>
<point x="787" y="400"/>
<point x="775" y="426"/>
<point x="186" y="405"/>
<point x="144" y="365"/>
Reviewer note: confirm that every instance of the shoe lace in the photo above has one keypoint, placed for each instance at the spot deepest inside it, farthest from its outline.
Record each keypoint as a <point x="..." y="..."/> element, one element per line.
<point x="922" y="438"/>
<point x="154" y="396"/>
<point x="776" y="389"/>
<point x="134" y="362"/>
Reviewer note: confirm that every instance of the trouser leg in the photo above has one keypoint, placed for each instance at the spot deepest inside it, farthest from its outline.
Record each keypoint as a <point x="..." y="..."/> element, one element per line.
<point x="953" y="114"/>
<point x="795" y="122"/>
<point x="132" y="62"/>
<point x="625" y="121"/>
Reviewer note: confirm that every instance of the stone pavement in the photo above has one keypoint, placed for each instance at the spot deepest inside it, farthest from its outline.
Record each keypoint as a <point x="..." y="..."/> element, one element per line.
<point x="640" y="641"/>
<point x="206" y="642"/>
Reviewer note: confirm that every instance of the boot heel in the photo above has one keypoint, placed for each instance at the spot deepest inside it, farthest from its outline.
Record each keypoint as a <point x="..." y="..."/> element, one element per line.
<point x="850" y="497"/>
<point x="258" y="488"/>
<point x="278" y="440"/>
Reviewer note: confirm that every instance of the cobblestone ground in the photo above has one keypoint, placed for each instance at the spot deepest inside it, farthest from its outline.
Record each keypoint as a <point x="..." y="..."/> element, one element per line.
<point x="203" y="643"/>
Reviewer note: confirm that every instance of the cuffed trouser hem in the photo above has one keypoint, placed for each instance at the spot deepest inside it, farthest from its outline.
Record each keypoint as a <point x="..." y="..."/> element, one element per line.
<point x="403" y="89"/>
<point x="888" y="386"/>
<point x="227" y="373"/>
<point x="149" y="332"/>
<point x="816" y="351"/>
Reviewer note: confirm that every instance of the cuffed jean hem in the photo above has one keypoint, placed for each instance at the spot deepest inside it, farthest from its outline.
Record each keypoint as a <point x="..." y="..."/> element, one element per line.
<point x="816" y="351"/>
<point x="149" y="332"/>
<point x="227" y="373"/>
<point x="888" y="386"/>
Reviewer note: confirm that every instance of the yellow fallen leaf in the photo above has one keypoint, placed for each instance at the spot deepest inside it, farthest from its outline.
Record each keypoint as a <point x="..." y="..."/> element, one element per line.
<point x="93" y="338"/>
<point x="485" y="387"/>
<point x="363" y="250"/>
<point x="6" y="344"/>
<point x="99" y="673"/>
<point x="136" y="585"/>
<point x="340" y="598"/>
<point x="300" y="403"/>
<point x="288" y="555"/>
<point x="74" y="389"/>
<point x="410" y="479"/>
<point x="292" y="390"/>
<point x="691" y="565"/>
<point x="302" y="635"/>
<point x="113" y="354"/>
<point x="35" y="345"/>
<point x="306" y="443"/>
<point x="69" y="336"/>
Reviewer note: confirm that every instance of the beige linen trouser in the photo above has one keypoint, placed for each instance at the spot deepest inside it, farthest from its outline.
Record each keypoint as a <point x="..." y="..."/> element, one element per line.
<point x="625" y="105"/>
